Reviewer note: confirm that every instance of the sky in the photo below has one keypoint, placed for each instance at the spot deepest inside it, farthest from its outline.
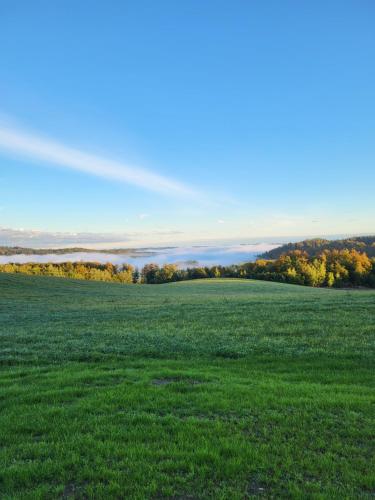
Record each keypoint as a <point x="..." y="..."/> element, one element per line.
<point x="134" y="123"/>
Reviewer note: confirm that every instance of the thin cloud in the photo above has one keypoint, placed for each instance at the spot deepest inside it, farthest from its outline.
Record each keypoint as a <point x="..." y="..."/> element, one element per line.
<point x="35" y="238"/>
<point x="49" y="151"/>
<point x="143" y="216"/>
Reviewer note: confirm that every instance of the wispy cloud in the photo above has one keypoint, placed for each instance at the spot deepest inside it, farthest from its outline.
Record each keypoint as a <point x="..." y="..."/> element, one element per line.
<point x="48" y="151"/>
<point x="281" y="220"/>
<point x="143" y="216"/>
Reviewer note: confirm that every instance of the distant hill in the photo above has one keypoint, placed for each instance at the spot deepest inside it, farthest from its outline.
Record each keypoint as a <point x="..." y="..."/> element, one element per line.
<point x="137" y="252"/>
<point x="317" y="245"/>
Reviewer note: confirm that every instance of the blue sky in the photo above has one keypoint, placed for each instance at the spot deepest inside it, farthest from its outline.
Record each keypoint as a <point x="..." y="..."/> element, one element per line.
<point x="169" y="121"/>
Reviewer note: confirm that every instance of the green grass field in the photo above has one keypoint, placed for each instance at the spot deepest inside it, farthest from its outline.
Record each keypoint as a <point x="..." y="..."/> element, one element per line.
<point x="222" y="389"/>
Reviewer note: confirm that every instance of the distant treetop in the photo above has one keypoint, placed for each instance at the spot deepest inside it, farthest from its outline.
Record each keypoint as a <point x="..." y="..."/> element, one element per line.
<point x="316" y="246"/>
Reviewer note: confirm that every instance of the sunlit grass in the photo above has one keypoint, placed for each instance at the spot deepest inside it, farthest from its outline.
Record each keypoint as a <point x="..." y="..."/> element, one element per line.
<point x="202" y="389"/>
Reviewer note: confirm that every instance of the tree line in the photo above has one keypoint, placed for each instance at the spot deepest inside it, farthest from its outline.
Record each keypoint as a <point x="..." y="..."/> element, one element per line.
<point x="76" y="270"/>
<point x="332" y="268"/>
<point x="314" y="247"/>
<point x="6" y="250"/>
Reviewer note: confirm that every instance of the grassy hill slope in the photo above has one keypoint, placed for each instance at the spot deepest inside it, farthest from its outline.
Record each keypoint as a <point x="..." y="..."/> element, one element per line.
<point x="201" y="389"/>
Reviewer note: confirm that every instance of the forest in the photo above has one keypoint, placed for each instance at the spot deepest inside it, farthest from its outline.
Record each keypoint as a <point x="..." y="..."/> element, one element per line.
<point x="315" y="246"/>
<point x="331" y="268"/>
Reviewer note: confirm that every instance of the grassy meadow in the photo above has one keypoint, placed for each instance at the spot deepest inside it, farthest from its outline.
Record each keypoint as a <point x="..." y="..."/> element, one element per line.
<point x="204" y="389"/>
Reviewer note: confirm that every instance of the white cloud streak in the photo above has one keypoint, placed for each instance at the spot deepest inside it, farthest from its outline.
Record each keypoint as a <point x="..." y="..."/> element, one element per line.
<point x="143" y="216"/>
<point x="25" y="144"/>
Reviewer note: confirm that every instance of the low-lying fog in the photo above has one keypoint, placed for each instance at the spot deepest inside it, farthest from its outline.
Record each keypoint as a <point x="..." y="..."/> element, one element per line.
<point x="183" y="256"/>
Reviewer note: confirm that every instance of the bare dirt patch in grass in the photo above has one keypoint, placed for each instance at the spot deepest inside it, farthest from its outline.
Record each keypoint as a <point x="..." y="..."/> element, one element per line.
<point x="173" y="380"/>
